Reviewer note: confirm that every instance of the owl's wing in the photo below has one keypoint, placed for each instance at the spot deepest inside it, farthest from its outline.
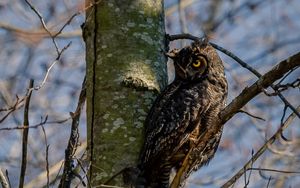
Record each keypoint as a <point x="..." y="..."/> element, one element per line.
<point x="159" y="104"/>
<point x="169" y="124"/>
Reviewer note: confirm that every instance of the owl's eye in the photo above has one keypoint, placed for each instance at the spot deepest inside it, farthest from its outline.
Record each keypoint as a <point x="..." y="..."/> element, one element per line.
<point x="200" y="62"/>
<point x="197" y="63"/>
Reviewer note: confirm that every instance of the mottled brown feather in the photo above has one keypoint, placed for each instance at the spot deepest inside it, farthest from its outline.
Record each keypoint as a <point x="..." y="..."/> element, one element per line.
<point x="181" y="131"/>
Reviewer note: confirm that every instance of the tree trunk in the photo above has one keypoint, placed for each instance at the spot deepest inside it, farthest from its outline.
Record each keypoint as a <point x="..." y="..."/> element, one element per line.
<point x="126" y="69"/>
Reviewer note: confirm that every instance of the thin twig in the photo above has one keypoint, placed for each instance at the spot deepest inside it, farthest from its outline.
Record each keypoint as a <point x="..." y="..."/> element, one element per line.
<point x="74" y="15"/>
<point x="294" y="84"/>
<point x="44" y="25"/>
<point x="262" y="175"/>
<point x="13" y="107"/>
<point x="68" y="175"/>
<point x="274" y="170"/>
<point x="43" y="122"/>
<point x="81" y="167"/>
<point x="261" y="150"/>
<point x="6" y="173"/>
<point x="285" y="76"/>
<point x="182" y="20"/>
<point x="282" y="87"/>
<point x="40" y="180"/>
<point x="282" y="121"/>
<point x="247" y="181"/>
<point x="67" y="23"/>
<point x="245" y="177"/>
<point x="51" y="66"/>
<point x="58" y="173"/>
<point x="252" y="153"/>
<point x="53" y="37"/>
<point x="84" y="170"/>
<point x="269" y="180"/>
<point x="251" y="115"/>
<point x="47" y="155"/>
<point x="3" y="180"/>
<point x="45" y="32"/>
<point x="17" y="105"/>
<point x="25" y="138"/>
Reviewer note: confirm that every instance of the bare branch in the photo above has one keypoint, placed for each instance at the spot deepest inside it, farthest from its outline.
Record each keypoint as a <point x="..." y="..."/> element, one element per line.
<point x="266" y="80"/>
<point x="67" y="23"/>
<point x="241" y="62"/>
<point x="282" y="87"/>
<point x="68" y="175"/>
<point x="294" y="84"/>
<point x="261" y="150"/>
<point x="11" y="108"/>
<point x="40" y="180"/>
<point x="45" y="32"/>
<point x="248" y="93"/>
<point x="6" y="173"/>
<point x="251" y="115"/>
<point x="49" y="69"/>
<point x="269" y="180"/>
<point x="53" y="37"/>
<point x="43" y="122"/>
<point x="44" y="25"/>
<point x="245" y="65"/>
<point x="182" y="20"/>
<point x="3" y="180"/>
<point x="47" y="151"/>
<point x="18" y="104"/>
<point x="274" y="170"/>
<point x="25" y="138"/>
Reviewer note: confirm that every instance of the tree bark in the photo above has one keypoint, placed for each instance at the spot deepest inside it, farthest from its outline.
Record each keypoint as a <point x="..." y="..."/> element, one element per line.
<point x="126" y="68"/>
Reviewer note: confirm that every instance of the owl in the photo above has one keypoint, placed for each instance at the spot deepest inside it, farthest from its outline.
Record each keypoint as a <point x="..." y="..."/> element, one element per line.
<point x="181" y="129"/>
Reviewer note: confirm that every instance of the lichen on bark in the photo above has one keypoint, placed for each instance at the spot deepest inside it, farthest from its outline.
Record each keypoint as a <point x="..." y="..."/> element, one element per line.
<point x="126" y="68"/>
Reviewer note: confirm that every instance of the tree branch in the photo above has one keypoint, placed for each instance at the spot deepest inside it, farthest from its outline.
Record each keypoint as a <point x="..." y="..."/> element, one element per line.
<point x="47" y="156"/>
<point x="3" y="180"/>
<point x="73" y="141"/>
<point x="260" y="151"/>
<point x="249" y="93"/>
<point x="237" y="59"/>
<point x="265" y="81"/>
<point x="25" y="137"/>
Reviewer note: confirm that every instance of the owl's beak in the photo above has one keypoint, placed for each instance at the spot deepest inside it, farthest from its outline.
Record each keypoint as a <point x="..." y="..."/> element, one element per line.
<point x="172" y="54"/>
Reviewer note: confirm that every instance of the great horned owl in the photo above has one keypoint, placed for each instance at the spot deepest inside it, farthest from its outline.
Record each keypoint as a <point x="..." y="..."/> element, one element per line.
<point x="181" y="131"/>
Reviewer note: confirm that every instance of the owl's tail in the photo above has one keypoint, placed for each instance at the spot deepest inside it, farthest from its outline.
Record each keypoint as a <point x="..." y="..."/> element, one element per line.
<point x="131" y="176"/>
<point x="154" y="178"/>
<point x="151" y="177"/>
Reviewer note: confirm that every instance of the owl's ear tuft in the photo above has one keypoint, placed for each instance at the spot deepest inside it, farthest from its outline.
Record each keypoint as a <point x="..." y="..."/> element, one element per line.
<point x="172" y="54"/>
<point x="202" y="42"/>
